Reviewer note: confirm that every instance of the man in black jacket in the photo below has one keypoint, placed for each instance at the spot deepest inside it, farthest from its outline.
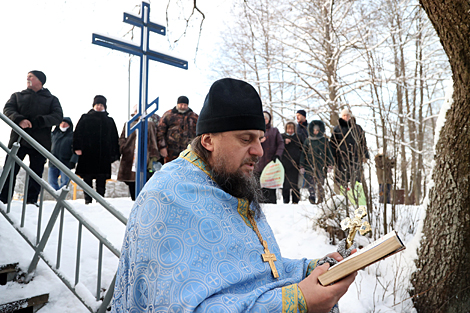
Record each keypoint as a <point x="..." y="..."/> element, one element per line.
<point x="35" y="110"/>
<point x="302" y="124"/>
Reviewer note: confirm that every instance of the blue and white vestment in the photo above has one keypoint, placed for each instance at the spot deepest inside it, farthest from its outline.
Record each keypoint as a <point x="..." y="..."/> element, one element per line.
<point x="190" y="247"/>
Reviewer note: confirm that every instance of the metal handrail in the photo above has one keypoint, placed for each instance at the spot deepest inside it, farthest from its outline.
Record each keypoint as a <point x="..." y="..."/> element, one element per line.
<point x="59" y="196"/>
<point x="57" y="163"/>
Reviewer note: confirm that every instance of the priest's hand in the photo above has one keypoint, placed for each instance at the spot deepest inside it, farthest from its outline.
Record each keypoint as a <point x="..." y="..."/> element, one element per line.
<point x="320" y="299"/>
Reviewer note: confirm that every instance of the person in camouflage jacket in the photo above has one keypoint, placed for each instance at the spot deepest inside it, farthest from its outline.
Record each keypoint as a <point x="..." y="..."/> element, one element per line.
<point x="176" y="129"/>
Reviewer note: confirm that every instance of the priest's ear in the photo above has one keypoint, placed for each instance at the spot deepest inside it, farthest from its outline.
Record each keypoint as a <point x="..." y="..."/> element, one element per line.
<point x="207" y="141"/>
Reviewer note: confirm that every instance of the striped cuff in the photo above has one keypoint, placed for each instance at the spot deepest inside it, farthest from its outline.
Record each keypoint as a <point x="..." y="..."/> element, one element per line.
<point x="293" y="300"/>
<point x="311" y="266"/>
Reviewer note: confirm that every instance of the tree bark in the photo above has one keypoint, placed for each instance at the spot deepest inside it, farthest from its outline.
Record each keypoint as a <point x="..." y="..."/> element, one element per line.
<point x="442" y="280"/>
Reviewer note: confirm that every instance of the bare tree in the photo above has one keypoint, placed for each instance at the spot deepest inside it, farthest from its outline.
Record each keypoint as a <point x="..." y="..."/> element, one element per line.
<point x="379" y="57"/>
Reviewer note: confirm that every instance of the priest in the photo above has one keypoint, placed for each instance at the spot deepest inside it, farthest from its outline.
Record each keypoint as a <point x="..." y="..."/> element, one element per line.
<point x="197" y="239"/>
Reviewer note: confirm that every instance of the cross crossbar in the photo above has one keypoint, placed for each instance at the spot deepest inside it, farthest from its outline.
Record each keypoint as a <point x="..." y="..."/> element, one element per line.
<point x="130" y="48"/>
<point x="137" y="21"/>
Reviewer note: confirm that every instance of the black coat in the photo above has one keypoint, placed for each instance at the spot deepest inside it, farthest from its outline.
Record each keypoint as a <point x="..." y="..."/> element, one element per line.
<point x="41" y="108"/>
<point x="349" y="147"/>
<point x="291" y="156"/>
<point x="291" y="160"/>
<point x="316" y="153"/>
<point x="96" y="135"/>
<point x="302" y="131"/>
<point x="62" y="145"/>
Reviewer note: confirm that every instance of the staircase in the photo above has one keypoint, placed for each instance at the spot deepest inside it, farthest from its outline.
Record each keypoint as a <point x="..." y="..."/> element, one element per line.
<point x="37" y="236"/>
<point x="10" y="272"/>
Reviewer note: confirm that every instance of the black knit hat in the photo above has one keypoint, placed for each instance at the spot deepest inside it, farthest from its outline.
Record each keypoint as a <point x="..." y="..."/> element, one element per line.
<point x="231" y="104"/>
<point x="183" y="99"/>
<point x="302" y="112"/>
<point x="39" y="75"/>
<point x="100" y="99"/>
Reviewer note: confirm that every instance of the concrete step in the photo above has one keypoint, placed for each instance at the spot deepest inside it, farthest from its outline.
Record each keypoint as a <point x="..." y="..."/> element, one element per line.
<point x="8" y="272"/>
<point x="27" y="305"/>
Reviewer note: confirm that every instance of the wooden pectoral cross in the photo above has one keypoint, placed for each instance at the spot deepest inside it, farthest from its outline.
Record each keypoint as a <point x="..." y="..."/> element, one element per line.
<point x="270" y="258"/>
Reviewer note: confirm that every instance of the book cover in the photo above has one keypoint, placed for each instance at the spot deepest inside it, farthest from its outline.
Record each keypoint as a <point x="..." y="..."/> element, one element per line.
<point x="378" y="250"/>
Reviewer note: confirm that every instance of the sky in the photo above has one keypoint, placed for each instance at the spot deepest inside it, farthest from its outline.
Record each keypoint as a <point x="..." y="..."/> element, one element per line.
<point x="54" y="36"/>
<point x="291" y="225"/>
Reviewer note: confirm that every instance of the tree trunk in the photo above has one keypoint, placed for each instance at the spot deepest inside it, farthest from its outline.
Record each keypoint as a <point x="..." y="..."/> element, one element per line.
<point x="420" y="136"/>
<point x="442" y="280"/>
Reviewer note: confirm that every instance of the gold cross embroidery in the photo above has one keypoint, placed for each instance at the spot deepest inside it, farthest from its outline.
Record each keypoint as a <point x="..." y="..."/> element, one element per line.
<point x="270" y="258"/>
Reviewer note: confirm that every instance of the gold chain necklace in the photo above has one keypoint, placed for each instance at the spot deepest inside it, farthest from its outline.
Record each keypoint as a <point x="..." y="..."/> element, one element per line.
<point x="267" y="256"/>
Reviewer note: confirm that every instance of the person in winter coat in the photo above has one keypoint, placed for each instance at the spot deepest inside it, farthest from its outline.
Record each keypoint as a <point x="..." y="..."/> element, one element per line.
<point x="128" y="152"/>
<point x="176" y="129"/>
<point x="349" y="148"/>
<point x="35" y="110"/>
<point x="384" y="165"/>
<point x="315" y="158"/>
<point x="273" y="147"/>
<point x="95" y="141"/>
<point x="62" y="149"/>
<point x="302" y="124"/>
<point x="291" y="163"/>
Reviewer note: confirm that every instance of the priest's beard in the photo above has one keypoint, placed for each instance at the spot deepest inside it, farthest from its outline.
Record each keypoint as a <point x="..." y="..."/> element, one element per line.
<point x="238" y="184"/>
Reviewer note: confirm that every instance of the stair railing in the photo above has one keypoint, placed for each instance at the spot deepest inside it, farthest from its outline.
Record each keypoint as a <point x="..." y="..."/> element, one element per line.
<point x="39" y="244"/>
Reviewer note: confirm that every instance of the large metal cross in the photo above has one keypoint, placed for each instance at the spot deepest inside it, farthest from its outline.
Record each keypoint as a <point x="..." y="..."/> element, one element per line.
<point x="145" y="55"/>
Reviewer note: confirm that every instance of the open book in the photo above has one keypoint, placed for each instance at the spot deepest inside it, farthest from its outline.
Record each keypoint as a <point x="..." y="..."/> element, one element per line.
<point x="378" y="250"/>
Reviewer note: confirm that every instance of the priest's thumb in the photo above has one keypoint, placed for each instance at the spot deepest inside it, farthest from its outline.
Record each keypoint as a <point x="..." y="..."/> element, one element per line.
<point x="320" y="269"/>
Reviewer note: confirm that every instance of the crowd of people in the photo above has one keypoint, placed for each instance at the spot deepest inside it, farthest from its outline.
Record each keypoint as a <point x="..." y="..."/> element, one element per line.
<point x="94" y="144"/>
<point x="306" y="152"/>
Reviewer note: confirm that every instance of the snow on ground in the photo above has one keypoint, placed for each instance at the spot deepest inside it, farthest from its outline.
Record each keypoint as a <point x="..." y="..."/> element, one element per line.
<point x="382" y="287"/>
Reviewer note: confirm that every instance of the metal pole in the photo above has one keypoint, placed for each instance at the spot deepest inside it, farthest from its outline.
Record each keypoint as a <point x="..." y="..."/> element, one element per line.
<point x="100" y="265"/>
<point x="10" y="188"/>
<point x="25" y="193"/>
<point x="79" y="246"/>
<point x="38" y="233"/>
<point x="59" y="242"/>
<point x="47" y="232"/>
